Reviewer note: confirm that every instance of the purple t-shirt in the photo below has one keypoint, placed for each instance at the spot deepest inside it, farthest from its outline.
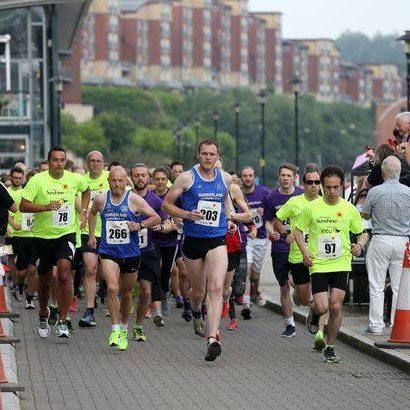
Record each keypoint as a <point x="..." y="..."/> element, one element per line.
<point x="256" y="200"/>
<point x="273" y="202"/>
<point x="155" y="203"/>
<point x="165" y="240"/>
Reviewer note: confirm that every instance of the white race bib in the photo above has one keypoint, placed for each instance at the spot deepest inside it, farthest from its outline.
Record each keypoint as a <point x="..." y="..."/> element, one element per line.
<point x="329" y="248"/>
<point x="27" y="221"/>
<point x="95" y="194"/>
<point x="211" y="213"/>
<point x="143" y="238"/>
<point x="257" y="218"/>
<point x="306" y="237"/>
<point x="63" y="216"/>
<point x="117" y="232"/>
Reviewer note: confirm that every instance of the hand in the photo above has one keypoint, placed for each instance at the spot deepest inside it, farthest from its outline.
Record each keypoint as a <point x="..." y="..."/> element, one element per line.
<point x="356" y="249"/>
<point x="232" y="227"/>
<point x="157" y="228"/>
<point x="53" y="206"/>
<point x="83" y="217"/>
<point x="260" y="211"/>
<point x="253" y="232"/>
<point x="179" y="222"/>
<point x="290" y="238"/>
<point x="194" y="215"/>
<point x="133" y="226"/>
<point x="16" y="226"/>
<point x="92" y="242"/>
<point x="275" y="235"/>
<point x="307" y="259"/>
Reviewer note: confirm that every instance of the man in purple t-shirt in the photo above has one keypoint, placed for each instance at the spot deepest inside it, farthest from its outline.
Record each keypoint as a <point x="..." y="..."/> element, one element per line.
<point x="256" y="247"/>
<point x="280" y="249"/>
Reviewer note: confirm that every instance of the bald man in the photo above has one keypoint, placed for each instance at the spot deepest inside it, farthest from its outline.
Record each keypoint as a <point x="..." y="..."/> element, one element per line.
<point x="97" y="180"/>
<point x="119" y="247"/>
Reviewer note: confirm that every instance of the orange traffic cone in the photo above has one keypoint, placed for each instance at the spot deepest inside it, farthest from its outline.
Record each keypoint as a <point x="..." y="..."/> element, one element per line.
<point x="401" y="327"/>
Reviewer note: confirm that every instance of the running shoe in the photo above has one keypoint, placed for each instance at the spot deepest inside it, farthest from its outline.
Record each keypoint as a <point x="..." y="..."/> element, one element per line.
<point x="320" y="343"/>
<point x="74" y="304"/>
<point x="114" y="339"/>
<point x="260" y="299"/>
<point x="225" y="309"/>
<point x="289" y="331"/>
<point x="312" y="321"/>
<point x="123" y="340"/>
<point x="295" y="298"/>
<point x="214" y="349"/>
<point x="158" y="321"/>
<point x="199" y="327"/>
<point x="165" y="307"/>
<point x="370" y="331"/>
<point x="53" y="315"/>
<point x="30" y="305"/>
<point x="187" y="315"/>
<point x="87" y="320"/>
<point x="246" y="312"/>
<point x="179" y="303"/>
<point x="233" y="324"/>
<point x="62" y="329"/>
<point x="330" y="355"/>
<point x="148" y="314"/>
<point x="43" y="328"/>
<point x="69" y="324"/>
<point x="14" y="292"/>
<point x="139" y="334"/>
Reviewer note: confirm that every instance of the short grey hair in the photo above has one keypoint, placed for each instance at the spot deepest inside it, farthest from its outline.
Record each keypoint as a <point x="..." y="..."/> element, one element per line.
<point x="391" y="168"/>
<point x="404" y="116"/>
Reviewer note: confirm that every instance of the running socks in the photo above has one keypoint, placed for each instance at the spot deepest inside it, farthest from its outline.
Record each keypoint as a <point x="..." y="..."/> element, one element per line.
<point x="187" y="304"/>
<point x="196" y="315"/>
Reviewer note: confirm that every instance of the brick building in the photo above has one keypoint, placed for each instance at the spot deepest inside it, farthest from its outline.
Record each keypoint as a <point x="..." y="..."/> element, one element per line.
<point x="295" y="63"/>
<point x="355" y="83"/>
<point x="387" y="83"/>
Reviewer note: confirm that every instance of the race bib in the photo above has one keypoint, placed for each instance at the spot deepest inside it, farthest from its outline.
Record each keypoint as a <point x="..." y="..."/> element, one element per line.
<point x="329" y="248"/>
<point x="257" y="218"/>
<point x="117" y="232"/>
<point x="93" y="195"/>
<point x="63" y="216"/>
<point x="27" y="221"/>
<point x="306" y="237"/>
<point x="211" y="213"/>
<point x="143" y="238"/>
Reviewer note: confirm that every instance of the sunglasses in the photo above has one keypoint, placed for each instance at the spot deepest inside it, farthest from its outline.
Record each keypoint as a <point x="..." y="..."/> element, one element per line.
<point x="311" y="182"/>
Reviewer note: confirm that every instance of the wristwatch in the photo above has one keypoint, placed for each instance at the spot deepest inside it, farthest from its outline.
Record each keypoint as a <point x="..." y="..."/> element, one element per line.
<point x="142" y="225"/>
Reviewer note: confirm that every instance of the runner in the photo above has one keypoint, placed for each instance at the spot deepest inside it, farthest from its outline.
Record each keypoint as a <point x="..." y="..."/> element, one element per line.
<point x="280" y="249"/>
<point x="205" y="211"/>
<point x="165" y="241"/>
<point x="177" y="168"/>
<point x="256" y="248"/>
<point x="50" y="195"/>
<point x="119" y="247"/>
<point x="150" y="270"/>
<point x="300" y="273"/>
<point x="97" y="180"/>
<point x="329" y="221"/>
<point x="21" y="236"/>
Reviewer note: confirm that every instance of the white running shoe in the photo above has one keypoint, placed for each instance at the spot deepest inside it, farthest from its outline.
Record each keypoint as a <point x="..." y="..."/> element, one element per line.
<point x="43" y="328"/>
<point x="62" y="329"/>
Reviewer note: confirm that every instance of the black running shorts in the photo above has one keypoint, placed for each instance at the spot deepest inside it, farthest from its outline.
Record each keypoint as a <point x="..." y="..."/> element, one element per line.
<point x="197" y="248"/>
<point x="126" y="265"/>
<point x="321" y="282"/>
<point x="300" y="273"/>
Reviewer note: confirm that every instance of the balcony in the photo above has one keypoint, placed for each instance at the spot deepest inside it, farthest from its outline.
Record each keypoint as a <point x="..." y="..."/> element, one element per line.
<point x="14" y="108"/>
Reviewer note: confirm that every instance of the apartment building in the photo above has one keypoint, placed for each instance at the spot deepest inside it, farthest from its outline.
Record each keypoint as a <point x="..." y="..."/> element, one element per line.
<point x="295" y="64"/>
<point x="387" y="83"/>
<point x="355" y="83"/>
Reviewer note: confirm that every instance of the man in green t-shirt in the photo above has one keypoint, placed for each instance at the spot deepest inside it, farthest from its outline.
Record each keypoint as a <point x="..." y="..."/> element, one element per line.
<point x="300" y="273"/>
<point x="329" y="220"/>
<point x="50" y="195"/>
<point x="20" y="231"/>
<point x="97" y="180"/>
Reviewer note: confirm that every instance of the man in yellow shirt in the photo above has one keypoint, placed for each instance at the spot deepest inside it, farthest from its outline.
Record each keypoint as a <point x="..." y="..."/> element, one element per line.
<point x="329" y="220"/>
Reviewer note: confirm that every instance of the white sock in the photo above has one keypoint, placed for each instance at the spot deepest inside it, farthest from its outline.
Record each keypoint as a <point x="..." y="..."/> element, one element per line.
<point x="115" y="327"/>
<point x="124" y="327"/>
<point x="246" y="300"/>
<point x="289" y="321"/>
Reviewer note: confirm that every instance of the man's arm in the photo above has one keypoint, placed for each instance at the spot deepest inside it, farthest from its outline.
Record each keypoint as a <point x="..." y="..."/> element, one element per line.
<point x="307" y="259"/>
<point x="237" y="197"/>
<point x="97" y="206"/>
<point x="140" y="205"/>
<point x="367" y="206"/>
<point x="7" y="200"/>
<point x="85" y="201"/>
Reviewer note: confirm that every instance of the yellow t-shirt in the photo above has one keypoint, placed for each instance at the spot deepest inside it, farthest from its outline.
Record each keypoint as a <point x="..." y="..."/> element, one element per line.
<point x="24" y="219"/>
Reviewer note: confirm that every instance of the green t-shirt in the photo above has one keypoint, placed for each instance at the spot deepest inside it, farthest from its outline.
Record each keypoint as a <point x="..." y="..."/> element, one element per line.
<point x="41" y="190"/>
<point x="97" y="186"/>
<point x="291" y="210"/>
<point x="329" y="240"/>
<point x="25" y="220"/>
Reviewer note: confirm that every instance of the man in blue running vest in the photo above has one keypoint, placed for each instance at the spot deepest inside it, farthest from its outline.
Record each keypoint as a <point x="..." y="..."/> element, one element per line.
<point x="119" y="247"/>
<point x="206" y="214"/>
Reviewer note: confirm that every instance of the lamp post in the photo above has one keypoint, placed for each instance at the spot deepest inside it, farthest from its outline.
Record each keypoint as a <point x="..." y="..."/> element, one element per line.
<point x="406" y="39"/>
<point x="215" y="117"/>
<point x="296" y="90"/>
<point x="262" y="162"/>
<point x="237" y="109"/>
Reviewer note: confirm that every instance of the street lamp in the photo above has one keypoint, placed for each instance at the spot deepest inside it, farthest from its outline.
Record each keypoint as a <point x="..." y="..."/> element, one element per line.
<point x="237" y="109"/>
<point x="215" y="117"/>
<point x="262" y="162"/>
<point x="406" y="39"/>
<point x="296" y="81"/>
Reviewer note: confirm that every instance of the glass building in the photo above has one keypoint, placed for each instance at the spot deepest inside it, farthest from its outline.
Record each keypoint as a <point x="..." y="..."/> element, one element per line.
<point x="32" y="34"/>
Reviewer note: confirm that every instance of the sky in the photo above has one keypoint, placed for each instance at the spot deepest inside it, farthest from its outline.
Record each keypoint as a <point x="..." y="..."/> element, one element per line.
<point x="329" y="18"/>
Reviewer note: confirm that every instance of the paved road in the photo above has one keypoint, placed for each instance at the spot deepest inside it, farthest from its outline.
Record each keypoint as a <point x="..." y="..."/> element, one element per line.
<point x="257" y="369"/>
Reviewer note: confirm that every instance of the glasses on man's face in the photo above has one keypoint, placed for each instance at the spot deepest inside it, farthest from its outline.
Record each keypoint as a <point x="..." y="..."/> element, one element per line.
<point x="95" y="161"/>
<point x="312" y="182"/>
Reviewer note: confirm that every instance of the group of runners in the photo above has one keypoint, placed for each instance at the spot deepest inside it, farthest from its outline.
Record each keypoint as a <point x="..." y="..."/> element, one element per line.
<point x="200" y="235"/>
